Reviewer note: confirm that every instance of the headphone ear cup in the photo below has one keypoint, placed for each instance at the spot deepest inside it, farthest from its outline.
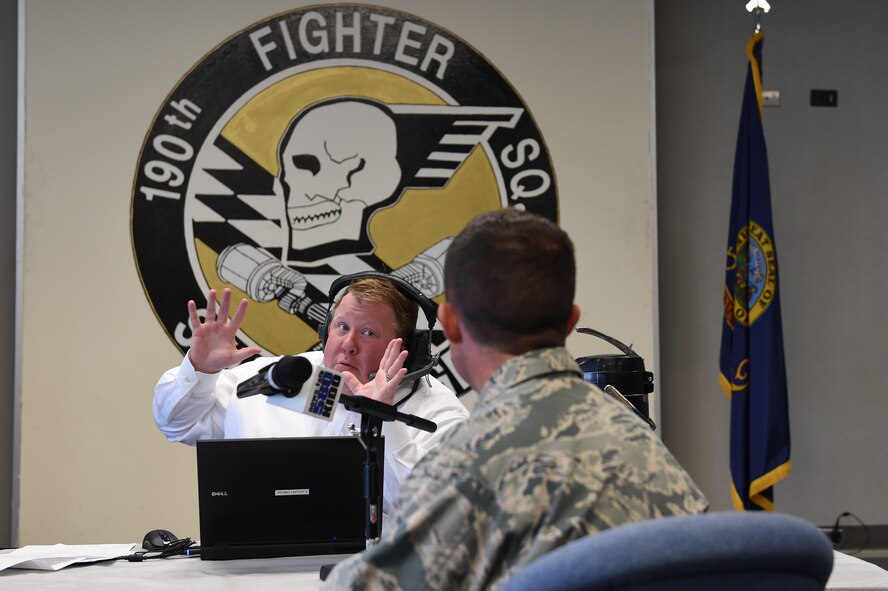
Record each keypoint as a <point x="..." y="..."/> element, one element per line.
<point x="322" y="333"/>
<point x="420" y="350"/>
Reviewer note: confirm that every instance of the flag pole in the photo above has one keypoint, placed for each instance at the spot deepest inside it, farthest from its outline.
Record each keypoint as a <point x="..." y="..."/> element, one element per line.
<point x="758" y="8"/>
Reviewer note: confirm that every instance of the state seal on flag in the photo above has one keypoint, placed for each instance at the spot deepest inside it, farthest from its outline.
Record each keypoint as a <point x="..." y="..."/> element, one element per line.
<point x="756" y="274"/>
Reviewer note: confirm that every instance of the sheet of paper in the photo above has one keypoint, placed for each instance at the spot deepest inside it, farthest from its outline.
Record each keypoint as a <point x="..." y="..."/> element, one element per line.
<point x="59" y="556"/>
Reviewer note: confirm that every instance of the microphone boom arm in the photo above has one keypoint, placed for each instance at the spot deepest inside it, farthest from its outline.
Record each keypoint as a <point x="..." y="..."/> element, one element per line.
<point x="373" y="413"/>
<point x="387" y="412"/>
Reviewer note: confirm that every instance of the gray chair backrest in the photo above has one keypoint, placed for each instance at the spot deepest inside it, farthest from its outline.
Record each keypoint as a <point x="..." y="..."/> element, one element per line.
<point x="725" y="551"/>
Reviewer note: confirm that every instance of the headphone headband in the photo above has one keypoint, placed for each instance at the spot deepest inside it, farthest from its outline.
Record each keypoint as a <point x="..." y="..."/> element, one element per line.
<point x="429" y="308"/>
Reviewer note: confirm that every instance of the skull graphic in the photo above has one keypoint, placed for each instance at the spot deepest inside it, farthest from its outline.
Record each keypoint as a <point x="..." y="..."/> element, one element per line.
<point x="336" y="160"/>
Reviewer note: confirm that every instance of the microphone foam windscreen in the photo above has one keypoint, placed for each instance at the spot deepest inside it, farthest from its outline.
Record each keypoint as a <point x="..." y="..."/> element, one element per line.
<point x="292" y="372"/>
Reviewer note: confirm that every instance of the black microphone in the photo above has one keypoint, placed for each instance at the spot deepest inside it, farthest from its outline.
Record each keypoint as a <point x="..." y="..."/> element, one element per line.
<point x="315" y="390"/>
<point x="285" y="376"/>
<point x="293" y="376"/>
<point x="387" y="412"/>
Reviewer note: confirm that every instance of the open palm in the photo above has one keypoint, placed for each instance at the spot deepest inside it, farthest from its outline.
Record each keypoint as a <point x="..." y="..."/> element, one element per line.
<point x="213" y="344"/>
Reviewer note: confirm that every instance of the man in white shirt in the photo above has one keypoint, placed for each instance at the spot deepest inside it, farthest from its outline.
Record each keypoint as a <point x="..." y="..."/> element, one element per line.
<point x="364" y="337"/>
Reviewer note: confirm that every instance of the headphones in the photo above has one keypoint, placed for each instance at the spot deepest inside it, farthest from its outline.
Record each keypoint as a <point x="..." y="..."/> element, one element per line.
<point x="418" y="343"/>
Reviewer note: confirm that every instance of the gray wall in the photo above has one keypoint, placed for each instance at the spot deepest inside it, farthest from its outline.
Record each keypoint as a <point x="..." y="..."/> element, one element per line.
<point x="8" y="76"/>
<point x="828" y="183"/>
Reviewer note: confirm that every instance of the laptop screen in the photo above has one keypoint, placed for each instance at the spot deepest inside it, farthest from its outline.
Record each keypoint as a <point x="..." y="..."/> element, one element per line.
<point x="261" y="498"/>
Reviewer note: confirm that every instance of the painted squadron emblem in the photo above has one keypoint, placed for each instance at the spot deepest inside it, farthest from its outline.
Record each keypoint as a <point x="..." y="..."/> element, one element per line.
<point x="323" y="141"/>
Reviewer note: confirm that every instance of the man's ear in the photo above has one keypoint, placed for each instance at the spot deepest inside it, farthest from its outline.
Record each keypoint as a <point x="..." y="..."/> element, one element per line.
<point x="449" y="322"/>
<point x="573" y="318"/>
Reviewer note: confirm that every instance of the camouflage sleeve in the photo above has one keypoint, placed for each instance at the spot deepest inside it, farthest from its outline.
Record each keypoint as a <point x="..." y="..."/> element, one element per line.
<point x="434" y="547"/>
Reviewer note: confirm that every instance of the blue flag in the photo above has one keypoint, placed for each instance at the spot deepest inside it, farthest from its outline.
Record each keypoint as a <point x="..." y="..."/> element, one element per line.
<point x="753" y="373"/>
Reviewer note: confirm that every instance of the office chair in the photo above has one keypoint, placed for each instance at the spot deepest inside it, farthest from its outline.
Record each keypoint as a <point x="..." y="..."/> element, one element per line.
<point x="725" y="551"/>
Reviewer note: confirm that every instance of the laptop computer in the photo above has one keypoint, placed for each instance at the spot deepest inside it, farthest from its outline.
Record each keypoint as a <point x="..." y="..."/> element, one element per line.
<point x="261" y="498"/>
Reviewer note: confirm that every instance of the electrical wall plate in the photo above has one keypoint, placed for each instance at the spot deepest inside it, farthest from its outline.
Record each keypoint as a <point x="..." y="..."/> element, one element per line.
<point x="771" y="98"/>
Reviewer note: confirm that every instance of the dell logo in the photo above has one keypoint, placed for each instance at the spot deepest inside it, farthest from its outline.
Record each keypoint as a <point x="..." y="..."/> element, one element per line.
<point x="221" y="493"/>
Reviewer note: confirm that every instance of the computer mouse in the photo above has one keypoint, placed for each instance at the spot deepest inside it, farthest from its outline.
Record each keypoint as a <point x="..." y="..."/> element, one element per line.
<point x="158" y="539"/>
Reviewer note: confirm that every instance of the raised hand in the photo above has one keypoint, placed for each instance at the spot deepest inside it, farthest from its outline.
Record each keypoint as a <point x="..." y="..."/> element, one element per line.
<point x="213" y="345"/>
<point x="391" y="371"/>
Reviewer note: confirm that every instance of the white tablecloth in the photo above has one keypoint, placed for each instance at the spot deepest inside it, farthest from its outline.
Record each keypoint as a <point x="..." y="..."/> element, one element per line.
<point x="851" y="573"/>
<point x="298" y="573"/>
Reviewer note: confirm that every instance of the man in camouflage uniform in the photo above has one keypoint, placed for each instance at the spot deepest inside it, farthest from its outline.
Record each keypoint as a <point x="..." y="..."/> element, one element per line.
<point x="546" y="457"/>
